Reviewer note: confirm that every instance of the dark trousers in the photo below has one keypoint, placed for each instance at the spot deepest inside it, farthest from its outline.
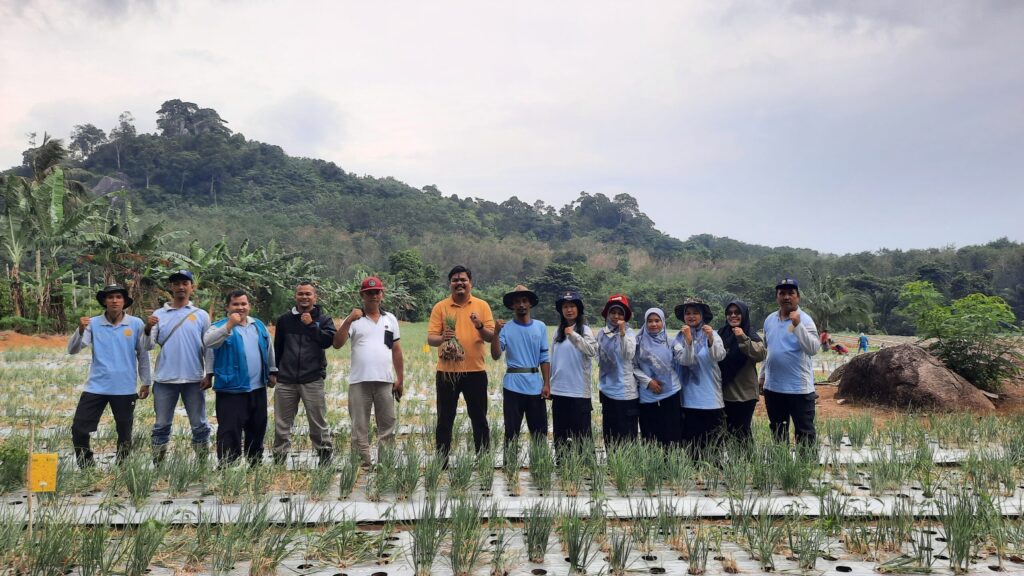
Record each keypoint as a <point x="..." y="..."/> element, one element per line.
<point x="619" y="419"/>
<point x="702" y="430"/>
<point x="799" y="408"/>
<point x="241" y="424"/>
<point x="570" y="419"/>
<point x="473" y="387"/>
<point x="515" y="405"/>
<point x="661" y="421"/>
<point x="87" y="419"/>
<point x="738" y="416"/>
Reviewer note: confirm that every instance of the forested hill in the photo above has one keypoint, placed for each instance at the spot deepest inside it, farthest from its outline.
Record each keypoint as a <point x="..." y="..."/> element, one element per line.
<point x="202" y="178"/>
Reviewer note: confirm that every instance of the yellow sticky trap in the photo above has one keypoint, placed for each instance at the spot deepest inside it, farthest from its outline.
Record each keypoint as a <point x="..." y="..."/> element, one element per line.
<point x="42" y="473"/>
<point x="426" y="348"/>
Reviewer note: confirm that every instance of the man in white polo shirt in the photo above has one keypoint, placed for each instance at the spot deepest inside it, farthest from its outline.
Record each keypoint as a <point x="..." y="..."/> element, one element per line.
<point x="375" y="380"/>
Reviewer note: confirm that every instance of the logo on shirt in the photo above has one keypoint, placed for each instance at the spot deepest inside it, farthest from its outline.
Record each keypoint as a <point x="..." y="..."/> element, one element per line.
<point x="191" y="317"/>
<point x="128" y="332"/>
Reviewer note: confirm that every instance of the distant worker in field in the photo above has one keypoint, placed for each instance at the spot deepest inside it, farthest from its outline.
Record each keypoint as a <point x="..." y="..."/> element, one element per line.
<point x="243" y="367"/>
<point x="826" y="340"/>
<point x="376" y="379"/>
<point x="178" y="329"/>
<point x="573" y="348"/>
<point x="792" y="340"/>
<point x="459" y="327"/>
<point x="527" y="381"/>
<point x="620" y="399"/>
<point x="119" y="356"/>
<point x="862" y="343"/>
<point x="300" y="338"/>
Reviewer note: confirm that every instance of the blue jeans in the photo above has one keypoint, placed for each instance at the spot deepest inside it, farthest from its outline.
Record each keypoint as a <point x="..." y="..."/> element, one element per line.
<point x="165" y="400"/>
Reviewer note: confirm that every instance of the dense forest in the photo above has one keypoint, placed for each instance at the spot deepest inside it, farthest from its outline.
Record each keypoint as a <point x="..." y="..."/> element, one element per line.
<point x="197" y="189"/>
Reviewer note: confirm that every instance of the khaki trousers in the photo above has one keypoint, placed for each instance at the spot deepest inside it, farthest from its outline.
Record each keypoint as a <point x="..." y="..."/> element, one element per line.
<point x="362" y="397"/>
<point x="286" y="405"/>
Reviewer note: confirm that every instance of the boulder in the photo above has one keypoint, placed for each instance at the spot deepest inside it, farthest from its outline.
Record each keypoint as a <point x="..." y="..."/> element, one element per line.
<point x="837" y="374"/>
<point x="908" y="377"/>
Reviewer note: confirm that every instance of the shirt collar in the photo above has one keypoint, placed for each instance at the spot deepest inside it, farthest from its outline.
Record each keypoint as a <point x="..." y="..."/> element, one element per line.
<point x="167" y="306"/>
<point x="105" y="322"/>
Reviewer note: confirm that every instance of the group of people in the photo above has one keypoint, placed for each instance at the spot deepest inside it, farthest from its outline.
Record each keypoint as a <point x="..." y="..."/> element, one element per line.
<point x="239" y="359"/>
<point x="690" y="389"/>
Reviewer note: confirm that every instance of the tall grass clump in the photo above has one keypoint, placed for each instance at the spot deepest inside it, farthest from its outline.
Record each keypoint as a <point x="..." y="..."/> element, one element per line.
<point x="542" y="464"/>
<point x="145" y="541"/>
<point x="962" y="524"/>
<point x="577" y="535"/>
<point x="538" y="521"/>
<point x="468" y="538"/>
<point x="428" y="534"/>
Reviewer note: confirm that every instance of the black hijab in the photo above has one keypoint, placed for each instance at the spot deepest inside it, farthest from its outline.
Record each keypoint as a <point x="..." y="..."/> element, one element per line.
<point x="735" y="359"/>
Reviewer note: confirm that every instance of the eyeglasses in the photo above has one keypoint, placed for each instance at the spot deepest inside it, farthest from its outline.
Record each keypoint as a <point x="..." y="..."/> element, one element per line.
<point x="733" y="313"/>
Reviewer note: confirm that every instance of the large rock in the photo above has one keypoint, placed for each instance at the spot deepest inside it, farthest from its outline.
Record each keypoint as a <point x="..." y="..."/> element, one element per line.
<point x="908" y="377"/>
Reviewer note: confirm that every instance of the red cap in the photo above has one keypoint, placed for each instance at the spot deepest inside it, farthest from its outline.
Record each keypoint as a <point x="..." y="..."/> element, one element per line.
<point x="371" y="283"/>
<point x="620" y="300"/>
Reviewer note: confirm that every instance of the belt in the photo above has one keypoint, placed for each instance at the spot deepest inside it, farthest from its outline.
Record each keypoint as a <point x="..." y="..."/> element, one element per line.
<point x="533" y="370"/>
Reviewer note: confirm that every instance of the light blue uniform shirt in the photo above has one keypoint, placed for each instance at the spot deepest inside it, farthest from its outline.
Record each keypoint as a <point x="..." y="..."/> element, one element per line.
<point x="181" y="357"/>
<point x="615" y="364"/>
<point x="572" y="364"/>
<point x="119" y="355"/>
<point x="789" y="368"/>
<point x="525" y="346"/>
<point x="702" y="379"/>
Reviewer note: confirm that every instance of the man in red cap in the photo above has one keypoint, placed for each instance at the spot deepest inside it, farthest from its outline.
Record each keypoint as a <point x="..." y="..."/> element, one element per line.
<point x="377" y="374"/>
<point x="301" y="337"/>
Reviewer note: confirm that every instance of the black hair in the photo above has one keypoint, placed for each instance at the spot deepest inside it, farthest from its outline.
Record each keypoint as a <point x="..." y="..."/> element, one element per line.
<point x="458" y="269"/>
<point x="563" y="324"/>
<point x="237" y="293"/>
<point x="310" y="284"/>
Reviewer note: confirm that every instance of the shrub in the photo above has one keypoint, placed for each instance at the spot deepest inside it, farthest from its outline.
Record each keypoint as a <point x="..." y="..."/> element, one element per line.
<point x="974" y="336"/>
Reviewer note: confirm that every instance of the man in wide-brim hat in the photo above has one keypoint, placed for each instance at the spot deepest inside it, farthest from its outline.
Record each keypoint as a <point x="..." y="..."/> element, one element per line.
<point x="527" y="381"/>
<point x="119" y="356"/>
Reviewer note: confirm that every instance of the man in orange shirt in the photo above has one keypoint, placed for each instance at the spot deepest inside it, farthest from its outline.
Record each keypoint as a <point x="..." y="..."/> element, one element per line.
<point x="460" y="364"/>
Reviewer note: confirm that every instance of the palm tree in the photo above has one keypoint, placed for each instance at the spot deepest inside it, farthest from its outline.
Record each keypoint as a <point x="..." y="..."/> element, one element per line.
<point x="830" y="304"/>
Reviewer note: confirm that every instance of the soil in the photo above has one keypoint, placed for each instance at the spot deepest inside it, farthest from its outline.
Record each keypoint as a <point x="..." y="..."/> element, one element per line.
<point x="10" y="340"/>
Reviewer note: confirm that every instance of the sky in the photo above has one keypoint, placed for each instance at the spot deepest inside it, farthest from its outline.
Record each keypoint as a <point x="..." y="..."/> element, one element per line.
<point x="838" y="126"/>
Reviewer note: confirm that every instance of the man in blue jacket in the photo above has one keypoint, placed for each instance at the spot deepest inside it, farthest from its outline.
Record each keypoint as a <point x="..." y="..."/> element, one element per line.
<point x="243" y="368"/>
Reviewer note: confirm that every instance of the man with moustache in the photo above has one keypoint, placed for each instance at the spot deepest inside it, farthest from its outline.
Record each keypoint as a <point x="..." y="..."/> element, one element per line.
<point x="243" y="367"/>
<point x="119" y="356"/>
<point x="467" y="376"/>
<point x="527" y="381"/>
<point x="178" y="328"/>
<point x="300" y="339"/>
<point x="792" y="341"/>
<point x="378" y="372"/>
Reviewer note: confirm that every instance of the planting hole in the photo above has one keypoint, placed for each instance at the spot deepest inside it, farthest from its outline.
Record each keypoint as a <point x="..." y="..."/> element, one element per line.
<point x="996" y="568"/>
<point x="903" y="496"/>
<point x="166" y="502"/>
<point x="379" y="574"/>
<point x="539" y="572"/>
<point x="941" y="557"/>
<point x="940" y="539"/>
<point x="197" y="501"/>
<point x="493" y="542"/>
<point x="283" y="500"/>
<point x="649" y="557"/>
<point x="844" y="569"/>
<point x="392" y="538"/>
<point x="657" y="570"/>
<point x="717" y="558"/>
<point x="304" y="566"/>
<point x="829" y="558"/>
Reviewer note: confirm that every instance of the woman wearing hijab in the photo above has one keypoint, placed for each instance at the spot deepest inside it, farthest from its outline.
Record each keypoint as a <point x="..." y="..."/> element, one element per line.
<point x="572" y="350"/>
<point x="658" y="382"/>
<point x="699" y="349"/>
<point x="743" y="350"/>
<point x="616" y="346"/>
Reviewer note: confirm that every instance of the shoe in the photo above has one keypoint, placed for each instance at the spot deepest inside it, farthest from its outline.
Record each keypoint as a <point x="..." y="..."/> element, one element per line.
<point x="325" y="456"/>
<point x="159" y="453"/>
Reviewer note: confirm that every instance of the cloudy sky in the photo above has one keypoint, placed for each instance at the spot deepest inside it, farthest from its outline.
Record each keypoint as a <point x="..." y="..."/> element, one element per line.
<point x="839" y="126"/>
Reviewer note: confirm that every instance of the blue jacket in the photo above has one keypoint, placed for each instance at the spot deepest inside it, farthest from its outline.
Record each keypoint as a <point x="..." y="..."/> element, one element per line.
<point x="230" y="371"/>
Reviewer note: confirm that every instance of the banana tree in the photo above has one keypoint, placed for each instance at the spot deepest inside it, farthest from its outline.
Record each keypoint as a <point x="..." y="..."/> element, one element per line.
<point x="16" y="194"/>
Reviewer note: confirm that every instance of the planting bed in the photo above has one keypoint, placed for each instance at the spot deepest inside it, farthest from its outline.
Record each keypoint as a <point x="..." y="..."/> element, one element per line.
<point x="915" y="494"/>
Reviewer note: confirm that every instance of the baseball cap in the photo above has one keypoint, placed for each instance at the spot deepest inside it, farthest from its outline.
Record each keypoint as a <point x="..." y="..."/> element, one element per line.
<point x="371" y="283"/>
